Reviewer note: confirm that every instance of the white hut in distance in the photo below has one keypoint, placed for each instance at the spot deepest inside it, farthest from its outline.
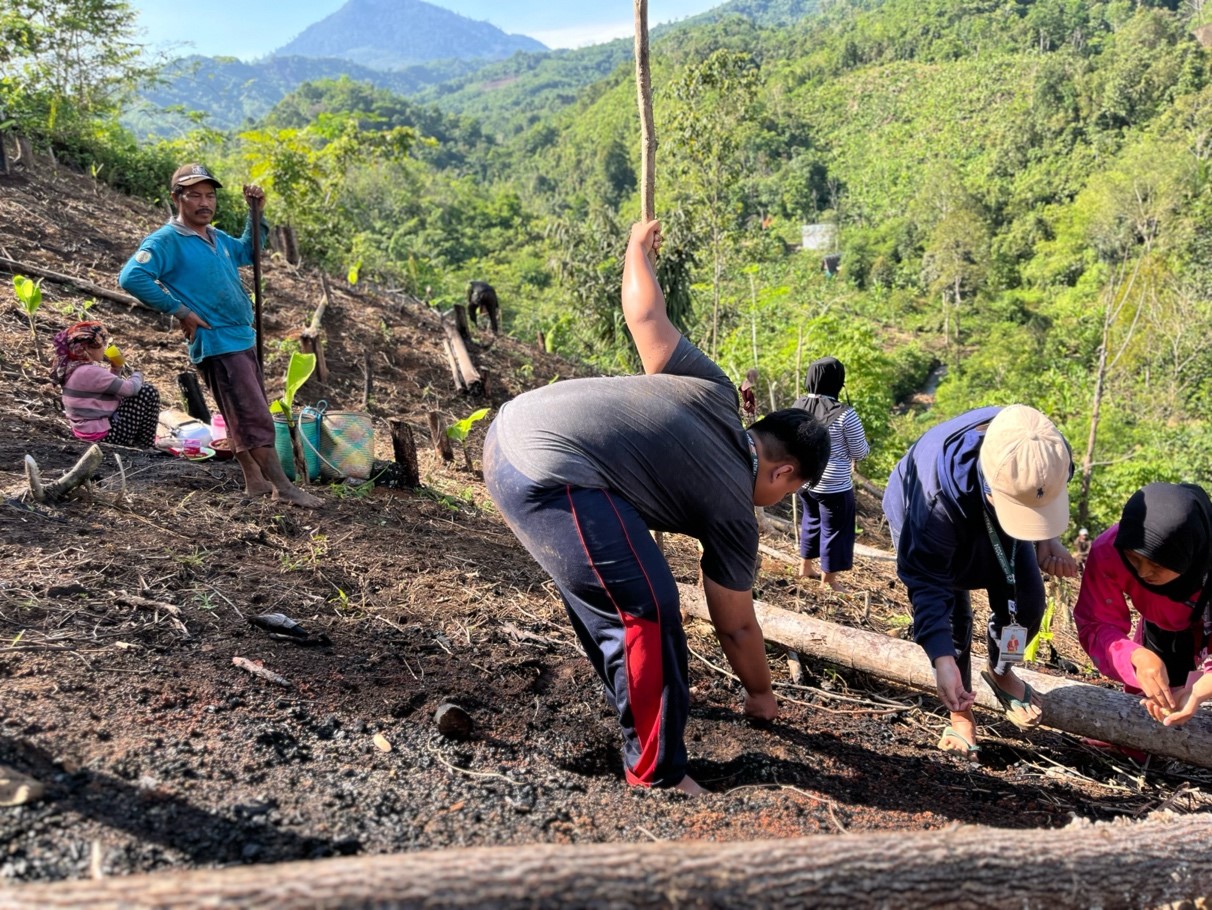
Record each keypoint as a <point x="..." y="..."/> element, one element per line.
<point x="819" y="238"/>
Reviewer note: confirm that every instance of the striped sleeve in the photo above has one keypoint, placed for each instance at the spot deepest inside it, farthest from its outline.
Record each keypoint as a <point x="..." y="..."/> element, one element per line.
<point x="857" y="447"/>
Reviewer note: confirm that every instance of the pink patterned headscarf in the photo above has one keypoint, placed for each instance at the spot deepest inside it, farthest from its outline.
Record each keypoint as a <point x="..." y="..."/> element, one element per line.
<point x="71" y="348"/>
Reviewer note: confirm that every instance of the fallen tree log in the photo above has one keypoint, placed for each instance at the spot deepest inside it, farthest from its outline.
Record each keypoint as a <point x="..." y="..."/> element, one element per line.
<point x="1075" y="707"/>
<point x="89" y="287"/>
<point x="1164" y="861"/>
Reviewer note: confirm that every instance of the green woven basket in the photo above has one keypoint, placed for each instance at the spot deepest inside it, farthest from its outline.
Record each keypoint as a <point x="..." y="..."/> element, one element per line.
<point x="309" y="427"/>
<point x="347" y="445"/>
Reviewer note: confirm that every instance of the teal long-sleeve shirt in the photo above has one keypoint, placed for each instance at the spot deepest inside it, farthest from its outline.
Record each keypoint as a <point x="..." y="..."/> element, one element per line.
<point x="176" y="271"/>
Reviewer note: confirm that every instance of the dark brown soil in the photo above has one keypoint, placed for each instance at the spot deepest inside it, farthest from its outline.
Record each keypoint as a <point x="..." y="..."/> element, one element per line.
<point x="121" y="613"/>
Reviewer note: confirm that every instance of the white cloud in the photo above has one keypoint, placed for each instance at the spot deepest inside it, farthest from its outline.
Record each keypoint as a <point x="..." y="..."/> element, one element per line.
<point x="584" y="35"/>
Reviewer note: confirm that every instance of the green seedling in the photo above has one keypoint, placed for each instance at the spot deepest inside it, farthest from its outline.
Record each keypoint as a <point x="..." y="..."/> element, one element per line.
<point x="298" y="371"/>
<point x="457" y="432"/>
<point x="29" y="295"/>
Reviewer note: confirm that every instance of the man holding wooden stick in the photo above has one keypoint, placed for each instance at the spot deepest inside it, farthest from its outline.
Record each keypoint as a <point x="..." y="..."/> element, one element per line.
<point x="191" y="269"/>
<point x="582" y="469"/>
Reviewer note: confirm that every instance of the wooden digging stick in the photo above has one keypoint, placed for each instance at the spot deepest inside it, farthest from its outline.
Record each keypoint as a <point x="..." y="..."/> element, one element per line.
<point x="643" y="88"/>
<point x="643" y="85"/>
<point x="255" y="211"/>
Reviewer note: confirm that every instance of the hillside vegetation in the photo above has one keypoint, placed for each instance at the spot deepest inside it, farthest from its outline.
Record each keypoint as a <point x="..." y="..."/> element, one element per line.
<point x="1017" y="188"/>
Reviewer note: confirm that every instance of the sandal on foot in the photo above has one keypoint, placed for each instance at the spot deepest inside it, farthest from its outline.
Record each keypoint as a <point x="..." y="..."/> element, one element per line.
<point x="1015" y="708"/>
<point x="972" y="750"/>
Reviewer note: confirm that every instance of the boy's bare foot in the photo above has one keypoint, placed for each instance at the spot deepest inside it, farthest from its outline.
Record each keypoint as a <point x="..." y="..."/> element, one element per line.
<point x="829" y="580"/>
<point x="688" y="786"/>
<point x="297" y="497"/>
<point x="253" y="490"/>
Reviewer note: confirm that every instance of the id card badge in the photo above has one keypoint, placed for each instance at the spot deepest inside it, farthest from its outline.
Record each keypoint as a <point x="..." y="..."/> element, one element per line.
<point x="1013" y="643"/>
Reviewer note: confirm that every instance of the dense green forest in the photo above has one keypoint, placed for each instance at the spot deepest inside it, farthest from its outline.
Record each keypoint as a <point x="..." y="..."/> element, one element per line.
<point x="1020" y="193"/>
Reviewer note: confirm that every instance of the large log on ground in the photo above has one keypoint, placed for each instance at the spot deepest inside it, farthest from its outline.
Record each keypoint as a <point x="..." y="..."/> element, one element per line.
<point x="1165" y="861"/>
<point x="89" y="287"/>
<point x="1080" y="708"/>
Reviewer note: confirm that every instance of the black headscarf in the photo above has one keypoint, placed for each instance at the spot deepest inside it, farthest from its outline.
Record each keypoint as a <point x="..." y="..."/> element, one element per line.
<point x="825" y="379"/>
<point x="1170" y="524"/>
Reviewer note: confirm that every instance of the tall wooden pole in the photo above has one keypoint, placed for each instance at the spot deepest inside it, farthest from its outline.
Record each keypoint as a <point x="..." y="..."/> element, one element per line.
<point x="255" y="212"/>
<point x="643" y="85"/>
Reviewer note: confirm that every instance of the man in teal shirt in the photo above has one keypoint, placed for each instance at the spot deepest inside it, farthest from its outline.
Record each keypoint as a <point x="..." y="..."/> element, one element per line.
<point x="190" y="269"/>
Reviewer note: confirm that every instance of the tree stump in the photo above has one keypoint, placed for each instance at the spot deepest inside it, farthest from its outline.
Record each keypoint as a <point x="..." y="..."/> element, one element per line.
<point x="441" y="442"/>
<point x="482" y="298"/>
<point x="462" y="357"/>
<point x="461" y="322"/>
<point x="404" y="448"/>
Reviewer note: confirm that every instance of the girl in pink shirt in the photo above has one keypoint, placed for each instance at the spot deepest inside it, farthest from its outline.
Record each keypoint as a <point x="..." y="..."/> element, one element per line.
<point x="1159" y="557"/>
<point x="98" y="402"/>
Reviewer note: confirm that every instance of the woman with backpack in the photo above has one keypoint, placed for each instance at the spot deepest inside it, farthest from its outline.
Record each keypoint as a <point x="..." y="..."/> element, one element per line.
<point x="827" y="529"/>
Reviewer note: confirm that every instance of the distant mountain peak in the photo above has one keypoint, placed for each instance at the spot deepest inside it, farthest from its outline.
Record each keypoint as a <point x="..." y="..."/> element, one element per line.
<point x="390" y="34"/>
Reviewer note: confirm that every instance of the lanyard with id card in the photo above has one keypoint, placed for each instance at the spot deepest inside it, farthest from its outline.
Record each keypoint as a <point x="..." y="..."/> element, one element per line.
<point x="1013" y="642"/>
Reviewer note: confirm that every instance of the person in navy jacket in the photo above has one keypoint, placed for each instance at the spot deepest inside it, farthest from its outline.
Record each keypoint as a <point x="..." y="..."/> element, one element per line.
<point x="980" y="502"/>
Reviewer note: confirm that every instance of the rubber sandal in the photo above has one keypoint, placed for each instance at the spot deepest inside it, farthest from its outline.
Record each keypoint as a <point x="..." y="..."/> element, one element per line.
<point x="970" y="749"/>
<point x="1012" y="705"/>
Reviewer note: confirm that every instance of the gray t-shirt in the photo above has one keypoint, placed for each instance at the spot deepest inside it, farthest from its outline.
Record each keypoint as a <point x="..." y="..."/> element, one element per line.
<point x="670" y="443"/>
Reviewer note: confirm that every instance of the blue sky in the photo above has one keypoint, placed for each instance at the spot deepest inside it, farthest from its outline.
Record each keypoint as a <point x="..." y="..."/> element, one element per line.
<point x="246" y="30"/>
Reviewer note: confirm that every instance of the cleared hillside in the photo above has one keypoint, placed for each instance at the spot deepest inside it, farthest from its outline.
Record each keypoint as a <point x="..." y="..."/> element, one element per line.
<point x="123" y="612"/>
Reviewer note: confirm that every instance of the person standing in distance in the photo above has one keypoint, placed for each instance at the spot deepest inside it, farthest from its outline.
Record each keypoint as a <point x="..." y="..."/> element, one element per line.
<point x="827" y="530"/>
<point x="583" y="469"/>
<point x="191" y="269"/>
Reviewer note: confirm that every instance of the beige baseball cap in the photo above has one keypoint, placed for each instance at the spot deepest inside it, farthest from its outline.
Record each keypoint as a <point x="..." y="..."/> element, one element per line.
<point x="1027" y="465"/>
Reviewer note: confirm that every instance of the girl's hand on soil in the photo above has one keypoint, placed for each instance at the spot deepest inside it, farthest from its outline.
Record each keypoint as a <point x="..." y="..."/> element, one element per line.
<point x="761" y="705"/>
<point x="950" y="684"/>
<point x="1054" y="559"/>
<point x="1153" y="680"/>
<point x="647" y="235"/>
<point x="1189" y="699"/>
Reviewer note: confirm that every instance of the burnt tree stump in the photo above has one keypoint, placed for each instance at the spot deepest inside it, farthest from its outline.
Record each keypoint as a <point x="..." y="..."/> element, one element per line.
<point x="481" y="297"/>
<point x="404" y="448"/>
